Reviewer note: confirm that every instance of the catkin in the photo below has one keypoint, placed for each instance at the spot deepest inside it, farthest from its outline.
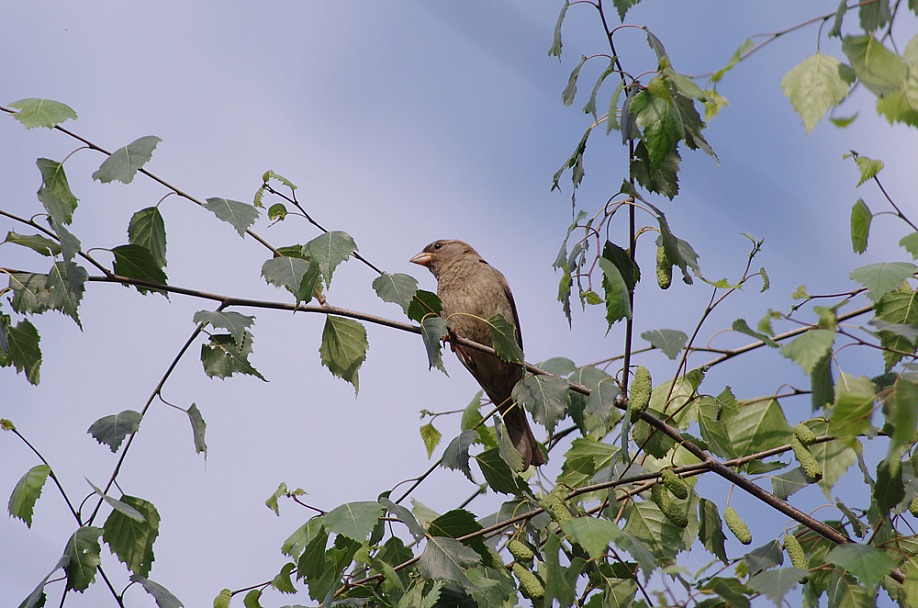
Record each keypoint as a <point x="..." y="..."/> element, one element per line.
<point x="530" y="584"/>
<point x="736" y="525"/>
<point x="807" y="461"/>
<point x="641" y="388"/>
<point x="805" y="434"/>
<point x="675" y="484"/>
<point x="664" y="268"/>
<point x="519" y="550"/>
<point x="795" y="551"/>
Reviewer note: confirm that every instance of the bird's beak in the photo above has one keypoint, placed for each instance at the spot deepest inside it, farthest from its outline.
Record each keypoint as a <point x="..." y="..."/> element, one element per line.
<point x="422" y="259"/>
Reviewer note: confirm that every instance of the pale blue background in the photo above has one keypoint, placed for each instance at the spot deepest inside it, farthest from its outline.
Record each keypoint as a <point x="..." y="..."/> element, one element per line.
<point x="401" y="122"/>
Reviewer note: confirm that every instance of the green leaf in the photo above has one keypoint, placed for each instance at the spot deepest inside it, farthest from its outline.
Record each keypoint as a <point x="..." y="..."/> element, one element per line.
<point x="630" y="271"/>
<point x="131" y="540"/>
<point x="26" y="493"/>
<point x="711" y="532"/>
<point x="82" y="550"/>
<point x="669" y="341"/>
<point x="252" y="599"/>
<point x="647" y="524"/>
<point x="874" y="15"/>
<point x="869" y="564"/>
<point x="851" y="413"/>
<point x="446" y="559"/>
<point x="137" y="262"/>
<point x="70" y="245"/>
<point x="744" y="49"/>
<point x="505" y="339"/>
<point x="162" y="596"/>
<point x="664" y="180"/>
<point x="623" y="5"/>
<point x="222" y="357"/>
<point x="23" y="351"/>
<point x="282" y="581"/>
<point x="889" y="489"/>
<point x="741" y="326"/>
<point x="344" y="348"/>
<point x="546" y="397"/>
<point x="148" y="230"/>
<point x="618" y="305"/>
<point x="458" y="523"/>
<point x="34" y="112"/>
<point x="397" y="288"/>
<point x="54" y="192"/>
<point x="860" y="226"/>
<point x="329" y="250"/>
<point x="223" y="598"/>
<point x="878" y="68"/>
<point x="570" y="91"/>
<point x="776" y="584"/>
<point x="814" y="87"/>
<point x="431" y="437"/>
<point x="424" y="303"/>
<point x="40" y="244"/>
<point x="808" y="349"/>
<point x="822" y="382"/>
<point x="66" y="284"/>
<point x="111" y="430"/>
<point x="902" y="417"/>
<point x="497" y="472"/>
<point x="880" y="279"/>
<point x="898" y="307"/>
<point x="198" y="426"/>
<point x="271" y="501"/>
<point x="868" y="167"/>
<point x="758" y="426"/>
<point x="733" y="593"/>
<point x="290" y="273"/>
<point x="592" y="533"/>
<point x="354" y="520"/>
<point x="555" y="50"/>
<point x="433" y="328"/>
<point x="236" y="323"/>
<point x="910" y="243"/>
<point x="240" y="215"/>
<point x="456" y="454"/>
<point x="124" y="163"/>
<point x="660" y="121"/>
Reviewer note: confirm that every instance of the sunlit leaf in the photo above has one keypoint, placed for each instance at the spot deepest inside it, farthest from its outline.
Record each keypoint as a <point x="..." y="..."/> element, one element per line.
<point x="111" y="430"/>
<point x="148" y="230"/>
<point x="131" y="540"/>
<point x="124" y="163"/>
<point x="354" y="520"/>
<point x="869" y="564"/>
<point x="240" y="215"/>
<point x="34" y="112"/>
<point x="26" y="493"/>
<point x="344" y="348"/>
<point x="815" y="86"/>
<point x="880" y="279"/>
<point x="83" y="552"/>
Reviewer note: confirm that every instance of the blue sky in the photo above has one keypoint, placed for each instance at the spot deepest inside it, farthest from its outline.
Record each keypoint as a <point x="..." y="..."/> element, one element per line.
<point x="401" y="123"/>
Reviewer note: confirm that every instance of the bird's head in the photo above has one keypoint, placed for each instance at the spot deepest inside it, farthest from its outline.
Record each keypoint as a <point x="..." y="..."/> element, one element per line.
<point x="440" y="254"/>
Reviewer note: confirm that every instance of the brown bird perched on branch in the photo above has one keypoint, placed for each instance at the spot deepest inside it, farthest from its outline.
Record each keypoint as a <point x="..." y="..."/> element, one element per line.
<point x="472" y="291"/>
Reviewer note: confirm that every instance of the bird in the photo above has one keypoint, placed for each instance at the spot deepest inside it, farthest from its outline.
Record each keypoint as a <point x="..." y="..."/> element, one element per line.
<point x="471" y="291"/>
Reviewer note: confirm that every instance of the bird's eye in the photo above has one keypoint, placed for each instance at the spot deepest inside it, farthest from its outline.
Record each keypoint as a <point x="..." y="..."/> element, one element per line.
<point x="438" y="245"/>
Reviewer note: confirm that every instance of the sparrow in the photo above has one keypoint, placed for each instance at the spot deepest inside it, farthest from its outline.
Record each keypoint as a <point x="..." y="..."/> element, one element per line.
<point x="471" y="291"/>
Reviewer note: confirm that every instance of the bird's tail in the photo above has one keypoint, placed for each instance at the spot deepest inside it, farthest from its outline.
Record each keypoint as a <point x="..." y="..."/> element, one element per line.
<point x="522" y="438"/>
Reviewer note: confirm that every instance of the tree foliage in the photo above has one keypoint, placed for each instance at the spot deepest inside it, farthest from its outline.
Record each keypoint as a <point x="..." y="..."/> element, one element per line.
<point x="626" y="505"/>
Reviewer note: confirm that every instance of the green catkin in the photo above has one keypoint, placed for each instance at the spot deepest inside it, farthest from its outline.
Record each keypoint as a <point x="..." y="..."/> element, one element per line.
<point x="675" y="484"/>
<point x="530" y="584"/>
<point x="670" y="508"/>
<point x="807" y="461"/>
<point x="558" y="510"/>
<point x="519" y="550"/>
<point x="913" y="507"/>
<point x="664" y="268"/>
<point x="795" y="551"/>
<point x="736" y="525"/>
<point x="804" y="434"/>
<point x="639" y="397"/>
